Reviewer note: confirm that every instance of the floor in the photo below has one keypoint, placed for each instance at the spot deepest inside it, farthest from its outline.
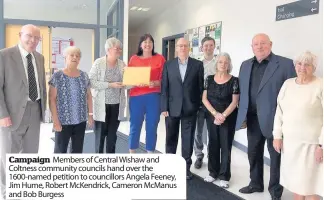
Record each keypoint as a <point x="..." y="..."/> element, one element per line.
<point x="240" y="165"/>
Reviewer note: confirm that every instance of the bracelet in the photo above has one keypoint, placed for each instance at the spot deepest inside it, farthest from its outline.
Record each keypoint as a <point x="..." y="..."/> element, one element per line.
<point x="224" y="115"/>
<point x="214" y="112"/>
<point x="320" y="146"/>
<point x="90" y="114"/>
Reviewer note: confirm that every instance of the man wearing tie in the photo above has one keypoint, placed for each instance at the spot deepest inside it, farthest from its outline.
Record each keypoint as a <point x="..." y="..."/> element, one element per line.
<point x="22" y="97"/>
<point x="181" y="93"/>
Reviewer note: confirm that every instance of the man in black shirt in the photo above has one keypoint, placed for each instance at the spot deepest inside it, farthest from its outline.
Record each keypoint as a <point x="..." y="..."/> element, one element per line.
<point x="261" y="78"/>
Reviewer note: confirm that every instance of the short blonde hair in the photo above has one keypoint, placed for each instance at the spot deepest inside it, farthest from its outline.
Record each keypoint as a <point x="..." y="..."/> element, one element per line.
<point x="71" y="49"/>
<point x="308" y="58"/>
<point x="228" y="57"/>
<point x="112" y="42"/>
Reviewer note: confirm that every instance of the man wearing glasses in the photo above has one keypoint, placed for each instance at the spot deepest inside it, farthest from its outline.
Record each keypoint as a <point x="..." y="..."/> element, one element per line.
<point x="22" y="97"/>
<point x="181" y="93"/>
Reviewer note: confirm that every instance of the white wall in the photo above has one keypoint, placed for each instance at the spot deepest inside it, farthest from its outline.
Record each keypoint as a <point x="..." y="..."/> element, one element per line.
<point x="241" y="21"/>
<point x="133" y="41"/>
<point x="82" y="39"/>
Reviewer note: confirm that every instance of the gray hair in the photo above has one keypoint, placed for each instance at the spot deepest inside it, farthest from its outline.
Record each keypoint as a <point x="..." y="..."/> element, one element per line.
<point x="228" y="57"/>
<point x="71" y="49"/>
<point x="112" y="42"/>
<point x="307" y="57"/>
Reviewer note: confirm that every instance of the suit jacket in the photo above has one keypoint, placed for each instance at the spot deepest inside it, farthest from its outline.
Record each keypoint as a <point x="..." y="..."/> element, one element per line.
<point x="278" y="70"/>
<point x="182" y="98"/>
<point x="14" y="91"/>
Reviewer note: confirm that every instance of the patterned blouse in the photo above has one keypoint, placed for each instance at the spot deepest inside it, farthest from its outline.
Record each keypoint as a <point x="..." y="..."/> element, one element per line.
<point x="71" y="100"/>
<point x="113" y="74"/>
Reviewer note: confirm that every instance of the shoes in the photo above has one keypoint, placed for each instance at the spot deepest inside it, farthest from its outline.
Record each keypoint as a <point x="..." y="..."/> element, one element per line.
<point x="209" y="179"/>
<point x="250" y="190"/>
<point x="223" y="184"/>
<point x="198" y="163"/>
<point x="189" y="175"/>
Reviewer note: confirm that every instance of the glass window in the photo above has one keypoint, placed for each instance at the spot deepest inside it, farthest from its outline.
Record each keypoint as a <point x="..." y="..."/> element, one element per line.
<point x="106" y="33"/>
<point x="73" y="11"/>
<point x="106" y="6"/>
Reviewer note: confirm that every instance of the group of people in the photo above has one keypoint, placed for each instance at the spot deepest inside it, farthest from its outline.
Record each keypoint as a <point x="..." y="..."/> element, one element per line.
<point x="277" y="99"/>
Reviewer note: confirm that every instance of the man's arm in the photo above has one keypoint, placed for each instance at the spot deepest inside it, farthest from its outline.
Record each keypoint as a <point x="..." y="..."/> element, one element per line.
<point x="3" y="107"/>
<point x="164" y="89"/>
<point x="201" y="79"/>
<point x="291" y="72"/>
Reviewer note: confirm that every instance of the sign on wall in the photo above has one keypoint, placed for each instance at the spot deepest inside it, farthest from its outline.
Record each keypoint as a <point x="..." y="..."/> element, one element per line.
<point x="297" y="9"/>
<point x="195" y="35"/>
<point x="58" y="46"/>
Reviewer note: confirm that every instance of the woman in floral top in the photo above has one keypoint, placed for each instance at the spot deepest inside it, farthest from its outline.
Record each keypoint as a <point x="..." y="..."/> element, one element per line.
<point x="70" y="103"/>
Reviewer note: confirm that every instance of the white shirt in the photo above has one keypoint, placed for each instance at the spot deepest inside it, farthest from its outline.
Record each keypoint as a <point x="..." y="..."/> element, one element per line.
<point x="24" y="54"/>
<point x="209" y="67"/>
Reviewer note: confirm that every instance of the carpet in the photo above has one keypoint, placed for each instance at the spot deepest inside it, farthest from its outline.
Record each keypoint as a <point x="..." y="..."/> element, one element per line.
<point x="197" y="189"/>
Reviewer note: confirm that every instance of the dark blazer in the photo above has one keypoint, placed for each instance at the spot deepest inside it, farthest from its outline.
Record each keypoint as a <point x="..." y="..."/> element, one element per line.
<point x="182" y="98"/>
<point x="278" y="70"/>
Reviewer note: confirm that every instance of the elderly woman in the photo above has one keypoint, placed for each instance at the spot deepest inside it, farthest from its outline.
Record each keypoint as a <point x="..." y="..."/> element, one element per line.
<point x="297" y="130"/>
<point x="221" y="97"/>
<point x="144" y="100"/>
<point x="70" y="103"/>
<point x="109" y="96"/>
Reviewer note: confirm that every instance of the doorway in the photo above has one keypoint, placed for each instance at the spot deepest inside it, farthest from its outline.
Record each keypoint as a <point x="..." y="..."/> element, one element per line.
<point x="169" y="44"/>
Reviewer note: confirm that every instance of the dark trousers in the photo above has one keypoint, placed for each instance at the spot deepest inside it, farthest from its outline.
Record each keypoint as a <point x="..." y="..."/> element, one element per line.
<point x="256" y="143"/>
<point x="75" y="133"/>
<point x="188" y="126"/>
<point x="199" y="135"/>
<point x="220" y="147"/>
<point x="107" y="131"/>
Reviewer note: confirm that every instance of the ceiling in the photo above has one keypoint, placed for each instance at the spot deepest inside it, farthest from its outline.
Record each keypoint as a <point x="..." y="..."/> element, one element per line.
<point x="136" y="18"/>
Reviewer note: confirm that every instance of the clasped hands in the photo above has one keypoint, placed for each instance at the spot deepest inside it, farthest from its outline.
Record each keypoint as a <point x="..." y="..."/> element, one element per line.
<point x="219" y="119"/>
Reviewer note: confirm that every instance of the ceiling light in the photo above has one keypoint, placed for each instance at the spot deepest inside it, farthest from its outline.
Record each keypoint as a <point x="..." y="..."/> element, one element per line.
<point x="139" y="9"/>
<point x="133" y="8"/>
<point x="145" y="9"/>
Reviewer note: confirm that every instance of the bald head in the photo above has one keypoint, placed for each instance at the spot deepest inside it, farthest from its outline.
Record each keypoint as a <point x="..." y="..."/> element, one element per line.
<point x="182" y="48"/>
<point x="261" y="46"/>
<point x="29" y="37"/>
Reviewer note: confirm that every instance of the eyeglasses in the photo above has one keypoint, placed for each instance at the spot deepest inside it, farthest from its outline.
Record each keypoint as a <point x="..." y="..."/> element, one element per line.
<point x="36" y="38"/>
<point x="117" y="48"/>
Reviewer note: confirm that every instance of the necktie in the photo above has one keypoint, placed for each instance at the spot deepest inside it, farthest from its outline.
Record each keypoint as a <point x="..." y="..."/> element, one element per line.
<point x="31" y="79"/>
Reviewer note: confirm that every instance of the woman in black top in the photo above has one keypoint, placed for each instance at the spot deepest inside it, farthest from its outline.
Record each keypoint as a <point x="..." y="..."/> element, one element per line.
<point x="220" y="97"/>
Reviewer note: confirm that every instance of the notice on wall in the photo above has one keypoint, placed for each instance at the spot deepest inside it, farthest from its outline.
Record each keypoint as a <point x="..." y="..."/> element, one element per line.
<point x="195" y="36"/>
<point x="58" y="46"/>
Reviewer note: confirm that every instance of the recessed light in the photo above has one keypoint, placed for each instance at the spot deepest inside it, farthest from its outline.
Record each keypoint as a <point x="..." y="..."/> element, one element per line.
<point x="133" y="8"/>
<point x="145" y="9"/>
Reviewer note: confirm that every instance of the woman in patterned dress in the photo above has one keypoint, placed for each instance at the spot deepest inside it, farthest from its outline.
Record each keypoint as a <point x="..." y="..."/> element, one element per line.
<point x="70" y="103"/>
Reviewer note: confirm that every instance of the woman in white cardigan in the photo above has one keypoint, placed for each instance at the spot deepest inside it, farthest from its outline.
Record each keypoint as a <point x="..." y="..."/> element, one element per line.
<point x="109" y="98"/>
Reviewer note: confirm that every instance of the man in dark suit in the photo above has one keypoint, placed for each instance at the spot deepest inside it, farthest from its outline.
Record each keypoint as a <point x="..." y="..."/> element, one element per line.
<point x="261" y="78"/>
<point x="181" y="93"/>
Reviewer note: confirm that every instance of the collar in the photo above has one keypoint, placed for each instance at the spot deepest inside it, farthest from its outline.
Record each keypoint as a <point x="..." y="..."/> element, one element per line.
<point x="213" y="59"/>
<point x="267" y="58"/>
<point x="185" y="63"/>
<point x="23" y="52"/>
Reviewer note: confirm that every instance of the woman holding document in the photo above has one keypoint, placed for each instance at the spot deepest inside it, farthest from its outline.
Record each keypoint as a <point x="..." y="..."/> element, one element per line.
<point x="145" y="99"/>
<point x="108" y="95"/>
